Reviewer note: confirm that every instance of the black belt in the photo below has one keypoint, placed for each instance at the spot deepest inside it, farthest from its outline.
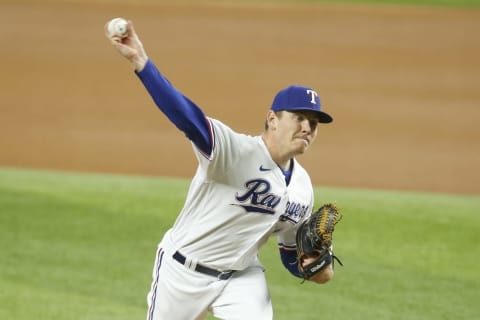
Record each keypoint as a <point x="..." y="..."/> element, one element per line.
<point x="221" y="275"/>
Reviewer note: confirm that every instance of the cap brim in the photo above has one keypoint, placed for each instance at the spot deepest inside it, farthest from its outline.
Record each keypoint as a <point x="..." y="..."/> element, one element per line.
<point x="323" y="117"/>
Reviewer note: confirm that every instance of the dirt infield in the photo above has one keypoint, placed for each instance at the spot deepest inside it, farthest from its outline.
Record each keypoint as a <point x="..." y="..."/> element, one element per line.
<point x="403" y="85"/>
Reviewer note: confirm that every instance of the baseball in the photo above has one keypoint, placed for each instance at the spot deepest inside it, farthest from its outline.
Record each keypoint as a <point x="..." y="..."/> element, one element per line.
<point x="117" y="27"/>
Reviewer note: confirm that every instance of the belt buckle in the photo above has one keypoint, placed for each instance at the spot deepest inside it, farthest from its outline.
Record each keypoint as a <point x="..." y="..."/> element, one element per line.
<point x="224" y="275"/>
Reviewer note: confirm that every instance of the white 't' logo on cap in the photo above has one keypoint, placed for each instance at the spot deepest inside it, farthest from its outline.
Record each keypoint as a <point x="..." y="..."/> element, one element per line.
<point x="313" y="94"/>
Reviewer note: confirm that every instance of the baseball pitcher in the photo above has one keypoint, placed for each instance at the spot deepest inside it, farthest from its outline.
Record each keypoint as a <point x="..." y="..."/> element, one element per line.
<point x="245" y="190"/>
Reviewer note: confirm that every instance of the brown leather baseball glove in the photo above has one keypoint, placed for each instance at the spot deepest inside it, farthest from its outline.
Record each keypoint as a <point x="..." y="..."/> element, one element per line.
<point x="314" y="241"/>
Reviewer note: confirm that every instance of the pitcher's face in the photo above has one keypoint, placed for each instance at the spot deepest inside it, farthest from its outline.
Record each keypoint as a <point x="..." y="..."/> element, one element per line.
<point x="296" y="130"/>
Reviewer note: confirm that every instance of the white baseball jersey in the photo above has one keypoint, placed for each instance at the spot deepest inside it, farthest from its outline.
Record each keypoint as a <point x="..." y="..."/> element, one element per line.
<point x="237" y="199"/>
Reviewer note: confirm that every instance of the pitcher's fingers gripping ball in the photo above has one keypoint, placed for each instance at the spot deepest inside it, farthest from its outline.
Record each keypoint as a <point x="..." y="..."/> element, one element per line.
<point x="124" y="39"/>
<point x="314" y="241"/>
<point x="117" y="27"/>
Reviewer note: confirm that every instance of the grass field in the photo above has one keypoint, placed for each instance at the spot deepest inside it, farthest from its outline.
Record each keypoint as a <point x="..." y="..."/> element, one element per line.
<point x="81" y="246"/>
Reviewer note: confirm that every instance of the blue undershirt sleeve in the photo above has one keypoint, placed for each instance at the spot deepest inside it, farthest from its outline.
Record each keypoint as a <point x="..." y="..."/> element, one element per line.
<point x="289" y="260"/>
<point x="180" y="110"/>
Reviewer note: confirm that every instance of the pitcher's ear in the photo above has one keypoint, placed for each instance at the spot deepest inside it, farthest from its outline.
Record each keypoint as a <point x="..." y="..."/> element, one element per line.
<point x="271" y="120"/>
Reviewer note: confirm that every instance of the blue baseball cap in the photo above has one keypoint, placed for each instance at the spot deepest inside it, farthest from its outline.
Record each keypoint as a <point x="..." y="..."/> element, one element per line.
<point x="299" y="98"/>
